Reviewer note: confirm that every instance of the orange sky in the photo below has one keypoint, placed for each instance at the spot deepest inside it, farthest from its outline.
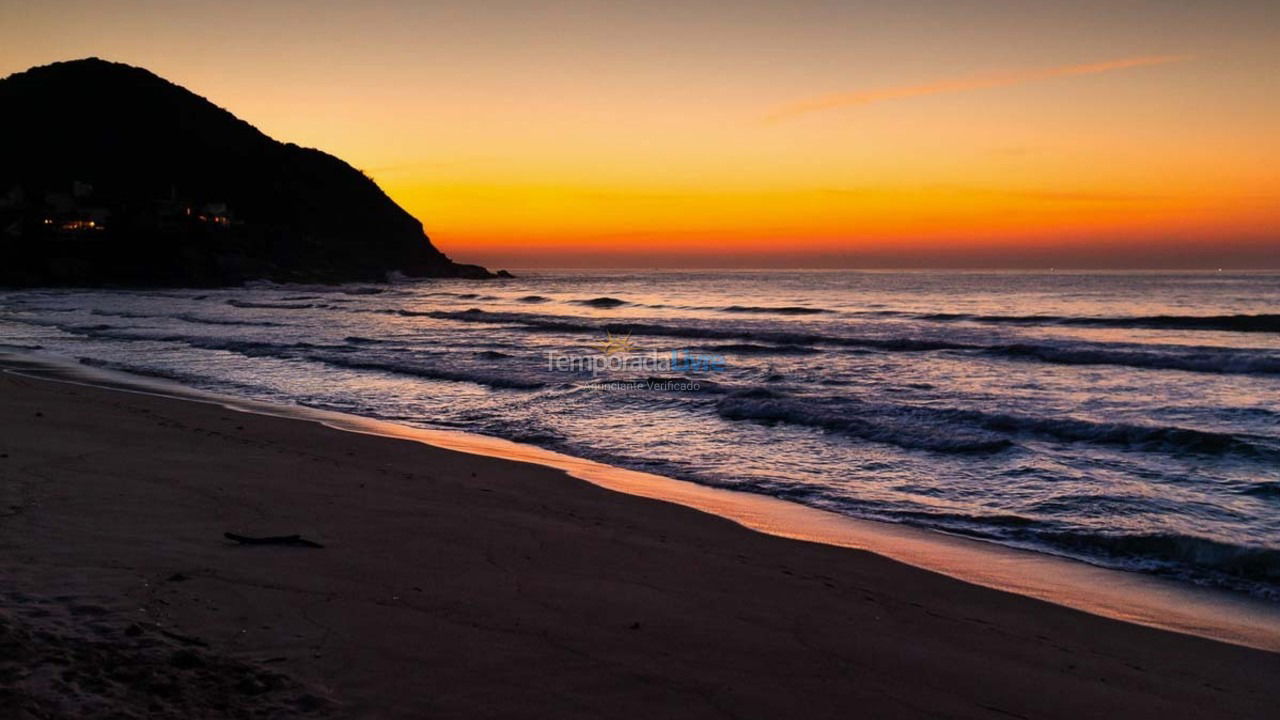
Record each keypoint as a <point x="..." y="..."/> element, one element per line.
<point x="575" y="132"/>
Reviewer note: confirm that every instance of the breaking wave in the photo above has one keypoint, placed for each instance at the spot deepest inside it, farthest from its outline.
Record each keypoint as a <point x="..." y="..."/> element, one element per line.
<point x="1242" y="567"/>
<point x="963" y="430"/>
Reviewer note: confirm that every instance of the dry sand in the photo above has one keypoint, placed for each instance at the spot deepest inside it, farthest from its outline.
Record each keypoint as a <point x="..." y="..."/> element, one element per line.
<point x="460" y="586"/>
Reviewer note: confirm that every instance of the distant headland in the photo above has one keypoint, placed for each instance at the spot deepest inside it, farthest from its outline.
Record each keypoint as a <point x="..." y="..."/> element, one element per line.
<point x="112" y="175"/>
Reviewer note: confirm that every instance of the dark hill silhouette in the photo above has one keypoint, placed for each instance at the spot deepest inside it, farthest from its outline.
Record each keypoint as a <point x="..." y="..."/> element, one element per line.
<point x="110" y="175"/>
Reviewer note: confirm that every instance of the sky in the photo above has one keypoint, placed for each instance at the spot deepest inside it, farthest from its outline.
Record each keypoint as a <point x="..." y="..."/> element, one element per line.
<point x="806" y="133"/>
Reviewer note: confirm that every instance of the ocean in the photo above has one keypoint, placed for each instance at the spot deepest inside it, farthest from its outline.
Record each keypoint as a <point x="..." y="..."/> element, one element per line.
<point x="1126" y="420"/>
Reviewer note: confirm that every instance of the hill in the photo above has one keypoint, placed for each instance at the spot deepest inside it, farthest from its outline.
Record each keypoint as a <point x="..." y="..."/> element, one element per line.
<point x="112" y="175"/>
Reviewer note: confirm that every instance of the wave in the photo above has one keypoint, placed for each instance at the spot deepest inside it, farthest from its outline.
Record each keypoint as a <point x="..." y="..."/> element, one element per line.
<point x="1248" y="568"/>
<point x="123" y="314"/>
<point x="1263" y="490"/>
<point x="962" y="430"/>
<point x="185" y="317"/>
<point x="789" y="310"/>
<point x="1263" y="323"/>
<point x="899" y="428"/>
<point x="201" y="320"/>
<point x="353" y="288"/>
<point x="272" y="305"/>
<point x="752" y="349"/>
<point x="334" y="355"/>
<point x="430" y="372"/>
<point x="1204" y="360"/>
<point x="1241" y="567"/>
<point x="533" y="299"/>
<point x="1146" y="437"/>
<point x="986" y="525"/>
<point x="139" y="369"/>
<point x="601" y="302"/>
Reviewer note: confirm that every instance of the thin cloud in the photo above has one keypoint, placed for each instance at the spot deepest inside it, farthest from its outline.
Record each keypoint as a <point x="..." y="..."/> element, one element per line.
<point x="977" y="82"/>
<point x="1034" y="194"/>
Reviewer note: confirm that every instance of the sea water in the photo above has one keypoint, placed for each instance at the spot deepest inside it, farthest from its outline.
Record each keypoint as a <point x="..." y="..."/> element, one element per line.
<point x="1127" y="420"/>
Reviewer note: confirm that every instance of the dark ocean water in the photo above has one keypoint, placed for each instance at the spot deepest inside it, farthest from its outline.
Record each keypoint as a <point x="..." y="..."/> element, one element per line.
<point x="1129" y="420"/>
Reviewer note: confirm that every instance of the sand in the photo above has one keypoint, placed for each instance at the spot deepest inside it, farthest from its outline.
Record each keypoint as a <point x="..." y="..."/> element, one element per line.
<point x="454" y="585"/>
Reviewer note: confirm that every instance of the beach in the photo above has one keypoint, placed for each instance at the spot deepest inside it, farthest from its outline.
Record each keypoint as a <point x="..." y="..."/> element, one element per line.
<point x="456" y="585"/>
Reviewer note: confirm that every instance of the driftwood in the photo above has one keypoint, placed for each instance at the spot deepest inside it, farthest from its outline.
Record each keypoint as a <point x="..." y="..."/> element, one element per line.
<point x="296" y="540"/>
<point x="184" y="639"/>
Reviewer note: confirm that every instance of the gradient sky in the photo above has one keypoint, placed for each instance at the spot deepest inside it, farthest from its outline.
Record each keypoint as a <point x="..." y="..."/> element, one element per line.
<point x="1018" y="133"/>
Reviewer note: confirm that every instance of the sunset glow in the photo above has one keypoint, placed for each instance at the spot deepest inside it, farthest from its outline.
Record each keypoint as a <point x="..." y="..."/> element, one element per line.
<point x="811" y="134"/>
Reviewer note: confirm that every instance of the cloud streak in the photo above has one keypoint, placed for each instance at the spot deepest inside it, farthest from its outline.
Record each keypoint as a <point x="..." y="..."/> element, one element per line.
<point x="975" y="82"/>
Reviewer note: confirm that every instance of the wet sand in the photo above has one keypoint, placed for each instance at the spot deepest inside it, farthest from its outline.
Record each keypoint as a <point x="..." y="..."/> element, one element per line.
<point x="455" y="585"/>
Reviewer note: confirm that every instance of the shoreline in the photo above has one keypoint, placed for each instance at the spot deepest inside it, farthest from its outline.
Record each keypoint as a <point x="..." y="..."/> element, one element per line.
<point x="1116" y="594"/>
<point x="462" y="585"/>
